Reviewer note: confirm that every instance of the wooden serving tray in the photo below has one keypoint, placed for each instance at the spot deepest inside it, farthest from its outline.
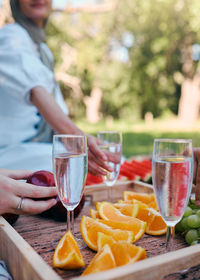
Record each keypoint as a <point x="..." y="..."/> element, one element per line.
<point x="28" y="248"/>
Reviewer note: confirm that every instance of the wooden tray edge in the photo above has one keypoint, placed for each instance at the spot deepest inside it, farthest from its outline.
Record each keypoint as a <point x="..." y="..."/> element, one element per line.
<point x="21" y="259"/>
<point x="102" y="187"/>
<point x="29" y="265"/>
<point x="152" y="268"/>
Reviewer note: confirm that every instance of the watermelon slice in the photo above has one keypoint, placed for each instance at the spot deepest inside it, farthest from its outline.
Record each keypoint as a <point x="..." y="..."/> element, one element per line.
<point x="136" y="170"/>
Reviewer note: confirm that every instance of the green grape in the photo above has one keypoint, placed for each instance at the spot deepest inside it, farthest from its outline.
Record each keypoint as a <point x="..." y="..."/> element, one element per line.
<point x="193" y="221"/>
<point x="191" y="236"/>
<point x="188" y="212"/>
<point x="184" y="223"/>
<point x="198" y="212"/>
<point x="198" y="231"/>
<point x="192" y="204"/>
<point x="179" y="227"/>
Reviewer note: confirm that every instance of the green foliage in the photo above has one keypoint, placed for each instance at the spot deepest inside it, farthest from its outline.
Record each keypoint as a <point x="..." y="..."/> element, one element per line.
<point x="138" y="137"/>
<point x="150" y="81"/>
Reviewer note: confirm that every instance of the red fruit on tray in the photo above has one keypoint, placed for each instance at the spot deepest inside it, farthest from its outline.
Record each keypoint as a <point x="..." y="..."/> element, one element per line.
<point x="58" y="211"/>
<point x="41" y="178"/>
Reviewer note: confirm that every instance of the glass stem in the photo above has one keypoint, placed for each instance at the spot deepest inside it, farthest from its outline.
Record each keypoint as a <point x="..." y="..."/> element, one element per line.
<point x="170" y="239"/>
<point x="70" y="221"/>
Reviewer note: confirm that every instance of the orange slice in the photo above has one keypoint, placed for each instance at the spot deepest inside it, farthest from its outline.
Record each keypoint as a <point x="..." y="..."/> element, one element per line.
<point x="126" y="253"/>
<point x="128" y="209"/>
<point x="109" y="213"/>
<point x="94" y="214"/>
<point x="103" y="260"/>
<point x="90" y="227"/>
<point x="155" y="223"/>
<point x="152" y="204"/>
<point x="103" y="239"/>
<point x="140" y="203"/>
<point x="97" y="204"/>
<point x="67" y="254"/>
<point x="136" y="226"/>
<point x="120" y="201"/>
<point x="143" y="197"/>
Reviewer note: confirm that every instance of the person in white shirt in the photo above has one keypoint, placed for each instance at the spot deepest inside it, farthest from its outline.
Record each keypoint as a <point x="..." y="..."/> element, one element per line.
<point x="31" y="104"/>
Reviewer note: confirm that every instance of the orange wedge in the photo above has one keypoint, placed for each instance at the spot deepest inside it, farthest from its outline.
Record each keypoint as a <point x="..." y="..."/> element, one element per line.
<point x="103" y="260"/>
<point x="90" y="227"/>
<point x="97" y="204"/>
<point x="109" y="213"/>
<point x="128" y="209"/>
<point x="103" y="239"/>
<point x="120" y="201"/>
<point x="67" y="254"/>
<point x="143" y="197"/>
<point x="153" y="205"/>
<point x="94" y="214"/>
<point x="155" y="223"/>
<point x="136" y="226"/>
<point x="125" y="253"/>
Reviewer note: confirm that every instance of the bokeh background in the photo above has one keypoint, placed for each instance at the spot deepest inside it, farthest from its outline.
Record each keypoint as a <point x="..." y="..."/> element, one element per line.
<point x="129" y="65"/>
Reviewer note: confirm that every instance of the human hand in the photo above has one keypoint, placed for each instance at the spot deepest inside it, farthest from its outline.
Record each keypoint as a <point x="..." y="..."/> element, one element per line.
<point x="16" y="174"/>
<point x="196" y="175"/>
<point x="11" y="192"/>
<point x="96" y="158"/>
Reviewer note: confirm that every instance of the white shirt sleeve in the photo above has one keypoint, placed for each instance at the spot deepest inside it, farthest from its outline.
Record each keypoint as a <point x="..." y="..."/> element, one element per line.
<point x="20" y="66"/>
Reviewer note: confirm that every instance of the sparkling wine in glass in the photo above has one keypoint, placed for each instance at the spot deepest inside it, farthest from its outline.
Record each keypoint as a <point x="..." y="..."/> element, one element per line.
<point x="70" y="161"/>
<point x="172" y="170"/>
<point x="110" y="142"/>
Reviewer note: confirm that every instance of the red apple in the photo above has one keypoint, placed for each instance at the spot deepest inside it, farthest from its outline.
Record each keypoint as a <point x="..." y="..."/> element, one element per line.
<point x="58" y="212"/>
<point x="41" y="178"/>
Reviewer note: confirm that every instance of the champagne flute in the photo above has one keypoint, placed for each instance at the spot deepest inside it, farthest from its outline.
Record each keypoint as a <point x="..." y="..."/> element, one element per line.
<point x="111" y="143"/>
<point x="70" y="161"/>
<point x="172" y="170"/>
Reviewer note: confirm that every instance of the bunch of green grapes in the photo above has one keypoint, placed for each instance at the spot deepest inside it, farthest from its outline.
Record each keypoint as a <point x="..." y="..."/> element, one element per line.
<point x="189" y="225"/>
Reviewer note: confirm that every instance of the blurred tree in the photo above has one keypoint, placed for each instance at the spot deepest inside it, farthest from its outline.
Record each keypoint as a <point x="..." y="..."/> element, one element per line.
<point x="127" y="58"/>
<point x="139" y="54"/>
<point x="161" y="57"/>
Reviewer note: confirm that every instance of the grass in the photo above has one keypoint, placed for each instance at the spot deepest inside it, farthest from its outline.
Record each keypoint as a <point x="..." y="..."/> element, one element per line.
<point x="138" y="137"/>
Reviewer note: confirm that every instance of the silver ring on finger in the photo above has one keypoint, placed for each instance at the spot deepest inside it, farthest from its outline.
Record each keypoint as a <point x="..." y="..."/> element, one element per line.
<point x="20" y="205"/>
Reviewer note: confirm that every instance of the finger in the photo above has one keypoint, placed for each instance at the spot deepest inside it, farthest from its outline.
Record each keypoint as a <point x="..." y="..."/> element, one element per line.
<point x="94" y="160"/>
<point x="29" y="190"/>
<point x="19" y="174"/>
<point x="96" y="170"/>
<point x="95" y="167"/>
<point x="30" y="206"/>
<point x="94" y="149"/>
<point x="42" y="192"/>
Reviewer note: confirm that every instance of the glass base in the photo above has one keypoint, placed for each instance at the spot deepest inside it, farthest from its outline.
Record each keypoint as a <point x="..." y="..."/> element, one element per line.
<point x="80" y="242"/>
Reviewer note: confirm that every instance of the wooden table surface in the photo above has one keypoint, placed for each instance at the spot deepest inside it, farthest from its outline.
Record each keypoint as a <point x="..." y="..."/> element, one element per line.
<point x="43" y="234"/>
